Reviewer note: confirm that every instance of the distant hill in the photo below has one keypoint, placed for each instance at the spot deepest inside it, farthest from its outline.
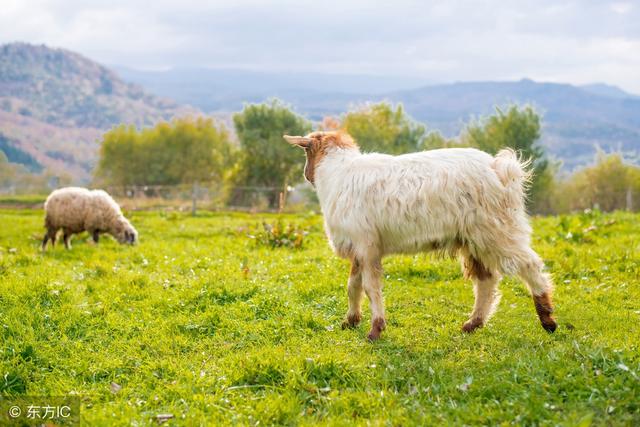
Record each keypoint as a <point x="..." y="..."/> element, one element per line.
<point x="54" y="104"/>
<point x="228" y="89"/>
<point x="577" y="119"/>
<point x="607" y="90"/>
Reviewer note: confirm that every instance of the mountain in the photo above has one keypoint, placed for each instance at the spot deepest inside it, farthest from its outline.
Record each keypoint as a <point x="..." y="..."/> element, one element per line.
<point x="576" y="119"/>
<point x="607" y="90"/>
<point x="229" y="89"/>
<point x="54" y="105"/>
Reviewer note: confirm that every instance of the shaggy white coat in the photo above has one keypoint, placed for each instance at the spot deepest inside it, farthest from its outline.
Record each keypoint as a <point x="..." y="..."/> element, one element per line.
<point x="75" y="210"/>
<point x="377" y="204"/>
<point x="457" y="201"/>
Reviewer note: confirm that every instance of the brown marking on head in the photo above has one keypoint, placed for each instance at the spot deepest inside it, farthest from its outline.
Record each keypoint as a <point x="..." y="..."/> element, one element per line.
<point x="316" y="145"/>
<point x="474" y="269"/>
<point x="544" y="308"/>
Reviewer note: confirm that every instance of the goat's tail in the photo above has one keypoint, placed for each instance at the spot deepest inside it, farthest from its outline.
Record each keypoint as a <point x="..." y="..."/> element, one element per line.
<point x="515" y="175"/>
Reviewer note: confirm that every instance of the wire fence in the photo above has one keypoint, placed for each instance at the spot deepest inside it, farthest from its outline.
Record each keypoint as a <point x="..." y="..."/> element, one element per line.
<point x="213" y="196"/>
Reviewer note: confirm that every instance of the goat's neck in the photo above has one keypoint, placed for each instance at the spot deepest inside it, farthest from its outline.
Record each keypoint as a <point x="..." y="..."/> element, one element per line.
<point x="333" y="169"/>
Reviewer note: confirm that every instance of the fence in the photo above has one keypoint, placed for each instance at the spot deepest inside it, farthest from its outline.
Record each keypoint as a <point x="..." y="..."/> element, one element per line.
<point x="213" y="196"/>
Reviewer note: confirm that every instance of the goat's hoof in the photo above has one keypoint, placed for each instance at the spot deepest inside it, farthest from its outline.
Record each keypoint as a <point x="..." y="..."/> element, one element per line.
<point x="352" y="321"/>
<point x="377" y="326"/>
<point x="471" y="325"/>
<point x="549" y="324"/>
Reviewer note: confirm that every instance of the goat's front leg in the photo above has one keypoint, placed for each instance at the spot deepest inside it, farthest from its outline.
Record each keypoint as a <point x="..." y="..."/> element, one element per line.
<point x="487" y="298"/>
<point x="485" y="289"/>
<point x="372" y="283"/>
<point x="354" y="290"/>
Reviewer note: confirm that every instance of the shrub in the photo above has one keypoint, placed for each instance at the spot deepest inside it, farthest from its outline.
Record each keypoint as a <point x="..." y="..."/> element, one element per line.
<point x="277" y="235"/>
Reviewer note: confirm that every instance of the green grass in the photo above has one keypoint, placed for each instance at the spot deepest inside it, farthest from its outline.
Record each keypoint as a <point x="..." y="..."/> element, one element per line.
<point x="22" y="200"/>
<point x="203" y="322"/>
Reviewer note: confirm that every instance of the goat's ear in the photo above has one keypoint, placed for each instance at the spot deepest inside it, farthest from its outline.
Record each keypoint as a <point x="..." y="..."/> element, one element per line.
<point x="300" y="141"/>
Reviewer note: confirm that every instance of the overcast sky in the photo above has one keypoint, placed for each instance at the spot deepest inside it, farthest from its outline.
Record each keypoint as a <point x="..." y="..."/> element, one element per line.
<point x="570" y="41"/>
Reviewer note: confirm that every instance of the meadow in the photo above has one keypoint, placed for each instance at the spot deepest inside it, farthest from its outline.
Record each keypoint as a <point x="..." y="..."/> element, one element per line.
<point x="206" y="322"/>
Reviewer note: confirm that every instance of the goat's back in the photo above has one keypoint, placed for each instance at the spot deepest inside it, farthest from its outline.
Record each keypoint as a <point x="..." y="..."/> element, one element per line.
<point x="412" y="202"/>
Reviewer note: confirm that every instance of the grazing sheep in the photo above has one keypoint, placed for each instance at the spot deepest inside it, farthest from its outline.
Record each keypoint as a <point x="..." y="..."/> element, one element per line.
<point x="453" y="201"/>
<point x="75" y="210"/>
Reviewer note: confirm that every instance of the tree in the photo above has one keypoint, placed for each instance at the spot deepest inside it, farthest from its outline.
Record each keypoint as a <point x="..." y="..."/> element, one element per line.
<point x="383" y="128"/>
<point x="186" y="150"/>
<point x="609" y="184"/>
<point x="267" y="161"/>
<point x="15" y="178"/>
<point x="518" y="128"/>
<point x="434" y="140"/>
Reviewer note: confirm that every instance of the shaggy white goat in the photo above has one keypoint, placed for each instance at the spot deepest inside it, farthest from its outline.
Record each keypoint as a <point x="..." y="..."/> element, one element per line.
<point x="75" y="210"/>
<point x="457" y="201"/>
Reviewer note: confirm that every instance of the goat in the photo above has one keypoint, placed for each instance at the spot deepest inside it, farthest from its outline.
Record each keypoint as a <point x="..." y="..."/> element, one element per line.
<point x="454" y="201"/>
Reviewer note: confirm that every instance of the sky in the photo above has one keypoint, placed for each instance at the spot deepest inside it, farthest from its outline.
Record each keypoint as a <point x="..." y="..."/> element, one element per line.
<point x="560" y="41"/>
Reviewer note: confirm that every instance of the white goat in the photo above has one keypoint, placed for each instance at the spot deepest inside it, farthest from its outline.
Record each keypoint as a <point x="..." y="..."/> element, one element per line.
<point x="457" y="201"/>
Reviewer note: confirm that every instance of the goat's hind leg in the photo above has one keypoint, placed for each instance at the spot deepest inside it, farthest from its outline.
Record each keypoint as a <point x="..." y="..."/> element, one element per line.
<point x="485" y="289"/>
<point x="540" y="285"/>
<point x="355" y="292"/>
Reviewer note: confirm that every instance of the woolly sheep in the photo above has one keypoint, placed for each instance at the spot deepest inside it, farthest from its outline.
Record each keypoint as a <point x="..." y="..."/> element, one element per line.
<point x="75" y="210"/>
<point x="453" y="201"/>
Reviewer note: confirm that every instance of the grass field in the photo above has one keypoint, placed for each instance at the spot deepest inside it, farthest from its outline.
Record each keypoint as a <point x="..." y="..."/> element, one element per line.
<point x="203" y="322"/>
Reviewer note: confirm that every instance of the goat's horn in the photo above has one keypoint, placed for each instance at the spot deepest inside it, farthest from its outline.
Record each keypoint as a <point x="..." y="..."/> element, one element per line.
<point x="300" y="141"/>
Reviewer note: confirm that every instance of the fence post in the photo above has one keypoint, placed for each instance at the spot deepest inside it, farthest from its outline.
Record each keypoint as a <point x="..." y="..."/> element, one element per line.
<point x="280" y="202"/>
<point x="194" y="198"/>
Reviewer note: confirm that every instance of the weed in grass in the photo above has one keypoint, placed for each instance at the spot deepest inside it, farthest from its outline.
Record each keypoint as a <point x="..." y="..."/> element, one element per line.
<point x="277" y="235"/>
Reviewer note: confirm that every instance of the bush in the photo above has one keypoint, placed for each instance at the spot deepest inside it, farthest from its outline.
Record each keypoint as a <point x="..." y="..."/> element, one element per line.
<point x="277" y="236"/>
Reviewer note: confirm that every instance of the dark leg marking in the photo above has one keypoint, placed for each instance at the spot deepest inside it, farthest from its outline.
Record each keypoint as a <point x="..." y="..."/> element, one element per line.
<point x="544" y="308"/>
<point x="472" y="324"/>
<point x="475" y="269"/>
<point x="352" y="321"/>
<point x="377" y="326"/>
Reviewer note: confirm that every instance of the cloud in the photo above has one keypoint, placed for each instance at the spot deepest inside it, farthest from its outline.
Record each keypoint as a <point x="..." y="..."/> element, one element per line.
<point x="574" y="41"/>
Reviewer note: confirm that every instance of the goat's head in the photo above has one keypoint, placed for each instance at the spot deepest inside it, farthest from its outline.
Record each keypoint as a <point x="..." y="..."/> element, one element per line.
<point x="317" y="145"/>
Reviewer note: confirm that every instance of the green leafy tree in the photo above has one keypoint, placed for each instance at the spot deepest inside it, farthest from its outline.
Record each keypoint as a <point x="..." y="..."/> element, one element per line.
<point x="267" y="161"/>
<point x="609" y="184"/>
<point x="186" y="150"/>
<point x="435" y="140"/>
<point x="383" y="128"/>
<point x="518" y="128"/>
